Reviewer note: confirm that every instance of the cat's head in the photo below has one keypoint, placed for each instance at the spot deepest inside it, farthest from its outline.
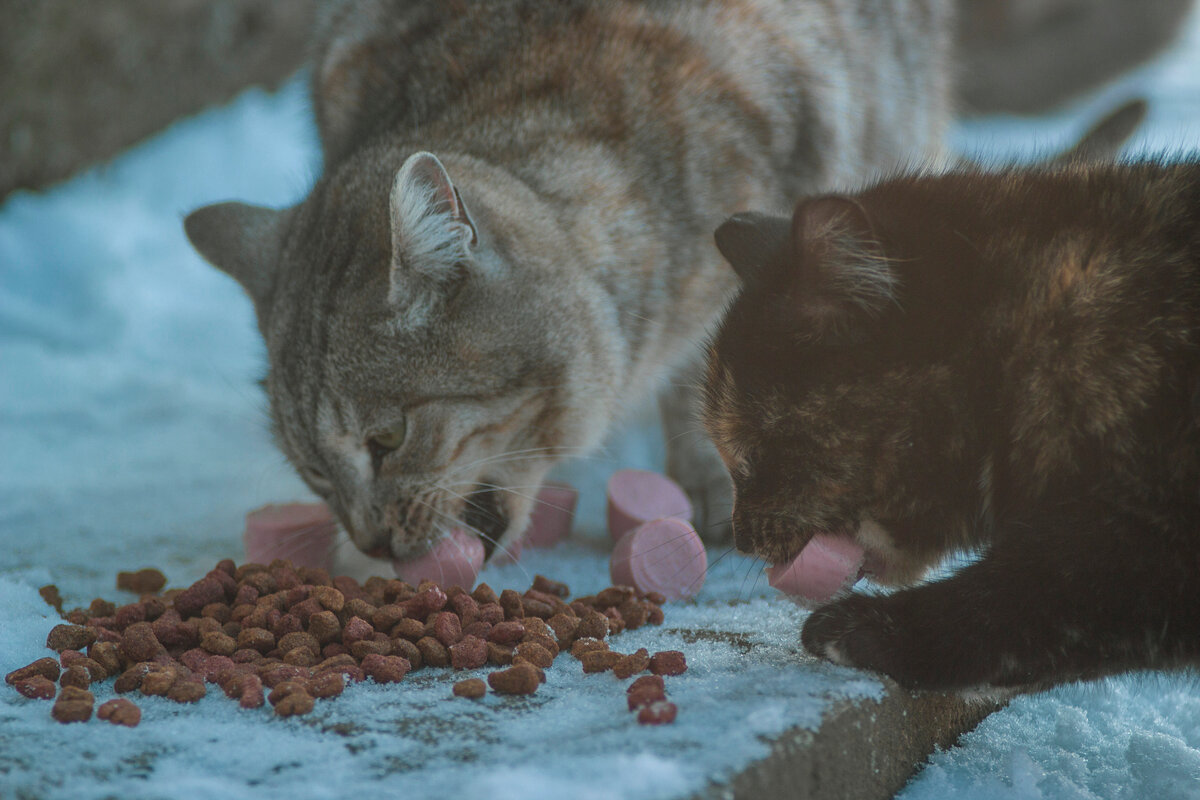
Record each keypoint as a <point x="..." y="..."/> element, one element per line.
<point x="418" y="379"/>
<point x="832" y="392"/>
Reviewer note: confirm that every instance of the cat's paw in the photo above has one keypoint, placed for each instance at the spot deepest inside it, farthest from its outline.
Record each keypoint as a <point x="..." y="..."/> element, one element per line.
<point x="853" y="632"/>
<point x="893" y="636"/>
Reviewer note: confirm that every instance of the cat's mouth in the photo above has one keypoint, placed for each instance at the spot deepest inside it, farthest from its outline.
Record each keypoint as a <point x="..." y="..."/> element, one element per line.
<point x="486" y="516"/>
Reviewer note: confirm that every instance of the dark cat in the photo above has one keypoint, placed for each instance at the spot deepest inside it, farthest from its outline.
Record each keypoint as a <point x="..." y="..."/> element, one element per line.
<point x="1006" y="361"/>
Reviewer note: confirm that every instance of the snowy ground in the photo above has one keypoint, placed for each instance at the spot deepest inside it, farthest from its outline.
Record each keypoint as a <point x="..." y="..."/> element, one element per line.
<point x="133" y="434"/>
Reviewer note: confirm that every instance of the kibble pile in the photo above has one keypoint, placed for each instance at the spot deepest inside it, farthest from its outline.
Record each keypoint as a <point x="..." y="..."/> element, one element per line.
<point x="287" y="636"/>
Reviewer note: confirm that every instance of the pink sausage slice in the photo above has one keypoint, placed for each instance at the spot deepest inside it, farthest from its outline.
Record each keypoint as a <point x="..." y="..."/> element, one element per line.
<point x="454" y="561"/>
<point x="553" y="512"/>
<point x="663" y="555"/>
<point x="827" y="565"/>
<point x="303" y="533"/>
<point x="637" y="496"/>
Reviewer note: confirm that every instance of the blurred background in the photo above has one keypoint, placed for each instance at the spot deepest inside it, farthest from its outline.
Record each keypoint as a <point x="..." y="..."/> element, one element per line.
<point x="82" y="81"/>
<point x="132" y="431"/>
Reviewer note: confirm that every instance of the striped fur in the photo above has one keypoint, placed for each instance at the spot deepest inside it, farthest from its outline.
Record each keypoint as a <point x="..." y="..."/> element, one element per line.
<point x="597" y="144"/>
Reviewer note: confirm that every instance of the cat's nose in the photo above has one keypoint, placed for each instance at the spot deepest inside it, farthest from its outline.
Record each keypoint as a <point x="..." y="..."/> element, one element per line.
<point x="379" y="551"/>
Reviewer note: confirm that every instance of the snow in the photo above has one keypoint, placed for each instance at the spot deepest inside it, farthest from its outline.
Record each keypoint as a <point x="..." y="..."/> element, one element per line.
<point x="134" y="434"/>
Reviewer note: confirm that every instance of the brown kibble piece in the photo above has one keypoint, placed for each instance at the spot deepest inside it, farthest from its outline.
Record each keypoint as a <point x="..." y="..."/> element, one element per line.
<point x="72" y="707"/>
<point x="668" y="662"/>
<point x="295" y="704"/>
<point x="218" y="643"/>
<point x="543" y="584"/>
<point x="406" y="649"/>
<point x="299" y="657"/>
<point x="587" y="645"/>
<point x="283" y="690"/>
<point x="614" y="596"/>
<point x="632" y="664"/>
<point x="592" y="625"/>
<point x="469" y="652"/>
<point x="36" y="687"/>
<point x="70" y="637"/>
<point x="120" y="712"/>
<point x="490" y="613"/>
<point x="188" y="690"/>
<point x="600" y="660"/>
<point x="535" y="653"/>
<point x="138" y="642"/>
<point x="507" y="632"/>
<point x="426" y="601"/>
<point x="411" y="629"/>
<point x="144" y="581"/>
<point x="433" y="652"/>
<point x="107" y="656"/>
<point x="447" y="628"/>
<point x="76" y="675"/>
<point x="299" y="639"/>
<point x="131" y="679"/>
<point x="659" y="712"/>
<point x="218" y="611"/>
<point x="536" y="608"/>
<point x="645" y="691"/>
<point x="252" y="692"/>
<point x="518" y="679"/>
<point x="356" y="629"/>
<point x="379" y="647"/>
<point x="259" y="639"/>
<point x="193" y="599"/>
<point x="157" y="682"/>
<point x="386" y="617"/>
<point x="484" y="594"/>
<point x="647" y="681"/>
<point x="324" y="626"/>
<point x="47" y="667"/>
<point x="386" y="669"/>
<point x="499" y="654"/>
<point x="329" y="598"/>
<point x="546" y="642"/>
<point x="326" y="684"/>
<point x="564" y="627"/>
<point x="510" y="601"/>
<point x="473" y="688"/>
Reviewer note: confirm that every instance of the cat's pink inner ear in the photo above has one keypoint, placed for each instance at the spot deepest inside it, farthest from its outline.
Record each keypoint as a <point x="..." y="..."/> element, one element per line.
<point x="421" y="173"/>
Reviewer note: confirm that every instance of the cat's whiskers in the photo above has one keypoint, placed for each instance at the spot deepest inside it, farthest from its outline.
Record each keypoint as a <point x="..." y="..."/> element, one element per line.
<point x="529" y="453"/>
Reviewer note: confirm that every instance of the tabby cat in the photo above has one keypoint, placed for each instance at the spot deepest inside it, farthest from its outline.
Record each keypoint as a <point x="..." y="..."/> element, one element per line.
<point x="510" y="244"/>
<point x="1006" y="362"/>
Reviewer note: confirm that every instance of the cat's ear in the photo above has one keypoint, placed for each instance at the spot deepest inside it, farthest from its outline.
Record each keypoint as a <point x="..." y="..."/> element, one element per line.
<point x="242" y="241"/>
<point x="841" y="275"/>
<point x="750" y="240"/>
<point x="432" y="232"/>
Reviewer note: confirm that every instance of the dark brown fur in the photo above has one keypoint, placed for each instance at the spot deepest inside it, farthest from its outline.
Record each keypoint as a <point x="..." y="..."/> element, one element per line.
<point x="1009" y="362"/>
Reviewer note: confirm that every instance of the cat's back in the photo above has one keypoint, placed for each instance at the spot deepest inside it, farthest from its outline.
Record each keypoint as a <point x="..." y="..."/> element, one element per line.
<point x="869" y="76"/>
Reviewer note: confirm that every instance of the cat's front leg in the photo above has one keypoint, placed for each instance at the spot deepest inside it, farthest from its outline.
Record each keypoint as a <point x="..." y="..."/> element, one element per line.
<point x="693" y="461"/>
<point x="1049" y="603"/>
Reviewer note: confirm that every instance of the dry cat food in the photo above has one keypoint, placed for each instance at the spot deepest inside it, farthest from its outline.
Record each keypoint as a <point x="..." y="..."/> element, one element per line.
<point x="286" y="636"/>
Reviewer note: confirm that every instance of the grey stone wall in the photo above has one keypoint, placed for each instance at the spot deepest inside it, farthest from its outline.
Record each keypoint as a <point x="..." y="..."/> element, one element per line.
<point x="83" y="79"/>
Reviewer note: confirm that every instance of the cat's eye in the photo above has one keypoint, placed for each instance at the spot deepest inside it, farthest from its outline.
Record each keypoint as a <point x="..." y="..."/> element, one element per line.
<point x="317" y="480"/>
<point x="393" y="437"/>
<point x="385" y="442"/>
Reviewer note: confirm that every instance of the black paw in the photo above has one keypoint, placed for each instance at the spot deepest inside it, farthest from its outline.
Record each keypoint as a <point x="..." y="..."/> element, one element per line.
<point x="918" y="645"/>
<point x="856" y="632"/>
